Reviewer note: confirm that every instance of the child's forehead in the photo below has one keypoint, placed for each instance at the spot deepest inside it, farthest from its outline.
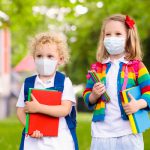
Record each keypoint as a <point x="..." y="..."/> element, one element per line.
<point x="46" y="46"/>
<point x="114" y="25"/>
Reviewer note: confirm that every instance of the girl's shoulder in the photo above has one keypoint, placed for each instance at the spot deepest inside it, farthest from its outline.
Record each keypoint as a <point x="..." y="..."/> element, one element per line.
<point x="96" y="65"/>
<point x="134" y="61"/>
<point x="136" y="64"/>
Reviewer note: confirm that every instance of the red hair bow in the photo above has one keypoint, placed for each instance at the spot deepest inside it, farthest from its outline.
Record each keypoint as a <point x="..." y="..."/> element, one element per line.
<point x="129" y="22"/>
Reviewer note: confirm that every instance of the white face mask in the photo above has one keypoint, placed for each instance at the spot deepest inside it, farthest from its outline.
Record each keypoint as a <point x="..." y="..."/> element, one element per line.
<point x="114" y="45"/>
<point x="45" y="66"/>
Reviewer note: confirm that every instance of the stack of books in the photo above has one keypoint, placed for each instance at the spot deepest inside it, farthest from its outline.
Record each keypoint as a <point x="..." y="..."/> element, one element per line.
<point x="46" y="124"/>
<point x="140" y="120"/>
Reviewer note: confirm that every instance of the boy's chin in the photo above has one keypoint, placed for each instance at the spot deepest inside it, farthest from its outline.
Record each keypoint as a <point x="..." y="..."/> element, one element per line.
<point x="46" y="75"/>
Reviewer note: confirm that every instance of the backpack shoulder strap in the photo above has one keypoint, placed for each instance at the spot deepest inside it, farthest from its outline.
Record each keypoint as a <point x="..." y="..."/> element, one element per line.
<point x="71" y="122"/>
<point x="71" y="118"/>
<point x="135" y="65"/>
<point x="28" y="83"/>
<point x="59" y="81"/>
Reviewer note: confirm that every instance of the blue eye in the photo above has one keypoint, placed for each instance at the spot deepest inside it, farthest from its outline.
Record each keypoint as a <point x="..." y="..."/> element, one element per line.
<point x="118" y="33"/>
<point x="50" y="56"/>
<point x="107" y="34"/>
<point x="39" y="56"/>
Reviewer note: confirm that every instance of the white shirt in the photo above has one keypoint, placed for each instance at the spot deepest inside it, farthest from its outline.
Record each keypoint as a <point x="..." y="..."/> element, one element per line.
<point x="113" y="125"/>
<point x="64" y="137"/>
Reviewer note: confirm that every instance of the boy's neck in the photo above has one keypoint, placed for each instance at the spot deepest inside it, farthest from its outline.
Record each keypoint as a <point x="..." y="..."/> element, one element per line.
<point x="45" y="77"/>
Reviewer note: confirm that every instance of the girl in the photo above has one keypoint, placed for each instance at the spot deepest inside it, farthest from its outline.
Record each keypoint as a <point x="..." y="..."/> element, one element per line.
<point x="118" y="52"/>
<point x="49" y="51"/>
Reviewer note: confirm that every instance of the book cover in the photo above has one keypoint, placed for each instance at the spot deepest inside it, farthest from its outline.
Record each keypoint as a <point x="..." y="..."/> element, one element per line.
<point x="140" y="120"/>
<point x="46" y="124"/>
<point x="131" y="119"/>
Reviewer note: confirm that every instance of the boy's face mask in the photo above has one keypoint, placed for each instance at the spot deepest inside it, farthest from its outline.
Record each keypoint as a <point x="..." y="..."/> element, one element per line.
<point x="114" y="45"/>
<point x="45" y="66"/>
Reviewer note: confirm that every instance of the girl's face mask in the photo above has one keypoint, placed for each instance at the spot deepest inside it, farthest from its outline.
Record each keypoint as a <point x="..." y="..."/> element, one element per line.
<point x="114" y="45"/>
<point x="45" y="66"/>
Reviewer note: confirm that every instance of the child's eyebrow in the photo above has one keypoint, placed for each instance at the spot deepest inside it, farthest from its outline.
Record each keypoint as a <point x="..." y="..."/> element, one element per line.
<point x="118" y="32"/>
<point x="106" y="32"/>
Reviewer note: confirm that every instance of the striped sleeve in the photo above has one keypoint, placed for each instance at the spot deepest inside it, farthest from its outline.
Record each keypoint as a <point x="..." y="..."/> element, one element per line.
<point x="144" y="83"/>
<point x="87" y="93"/>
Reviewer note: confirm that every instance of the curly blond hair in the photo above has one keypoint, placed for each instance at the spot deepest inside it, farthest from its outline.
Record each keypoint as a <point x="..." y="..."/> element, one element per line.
<point x="57" y="38"/>
<point x="133" y="48"/>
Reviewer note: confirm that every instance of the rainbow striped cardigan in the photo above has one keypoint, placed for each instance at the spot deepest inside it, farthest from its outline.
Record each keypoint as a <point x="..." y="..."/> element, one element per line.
<point x="142" y="79"/>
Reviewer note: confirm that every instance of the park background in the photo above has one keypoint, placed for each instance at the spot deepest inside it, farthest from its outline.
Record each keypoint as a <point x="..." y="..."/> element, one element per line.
<point x="81" y="21"/>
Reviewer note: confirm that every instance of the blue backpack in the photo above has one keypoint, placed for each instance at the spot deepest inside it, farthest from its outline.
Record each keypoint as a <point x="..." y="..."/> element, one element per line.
<point x="58" y="85"/>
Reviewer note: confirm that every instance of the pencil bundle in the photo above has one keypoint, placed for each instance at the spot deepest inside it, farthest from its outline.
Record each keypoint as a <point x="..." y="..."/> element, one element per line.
<point x="96" y="79"/>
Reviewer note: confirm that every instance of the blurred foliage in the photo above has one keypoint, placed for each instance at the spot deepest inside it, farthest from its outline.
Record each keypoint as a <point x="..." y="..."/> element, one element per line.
<point x="24" y="24"/>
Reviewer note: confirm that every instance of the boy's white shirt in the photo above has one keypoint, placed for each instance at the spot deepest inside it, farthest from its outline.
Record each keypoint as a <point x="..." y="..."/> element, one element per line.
<point x="63" y="131"/>
<point x="113" y="125"/>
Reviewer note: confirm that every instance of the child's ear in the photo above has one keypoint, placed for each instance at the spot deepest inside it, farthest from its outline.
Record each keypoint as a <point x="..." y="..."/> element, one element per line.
<point x="61" y="61"/>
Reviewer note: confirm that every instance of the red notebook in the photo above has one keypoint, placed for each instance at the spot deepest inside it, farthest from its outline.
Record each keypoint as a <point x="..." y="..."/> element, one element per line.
<point x="46" y="124"/>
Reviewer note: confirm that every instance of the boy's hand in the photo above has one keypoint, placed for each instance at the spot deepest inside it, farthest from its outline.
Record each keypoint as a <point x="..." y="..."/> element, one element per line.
<point x="132" y="107"/>
<point x="37" y="134"/>
<point x="97" y="91"/>
<point x="33" y="106"/>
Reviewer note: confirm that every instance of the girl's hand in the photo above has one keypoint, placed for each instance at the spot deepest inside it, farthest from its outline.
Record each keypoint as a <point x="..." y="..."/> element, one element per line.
<point x="37" y="134"/>
<point x="97" y="91"/>
<point x="32" y="106"/>
<point x="132" y="107"/>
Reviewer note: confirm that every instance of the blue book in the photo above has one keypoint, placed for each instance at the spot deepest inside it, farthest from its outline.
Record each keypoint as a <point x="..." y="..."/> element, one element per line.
<point x="141" y="117"/>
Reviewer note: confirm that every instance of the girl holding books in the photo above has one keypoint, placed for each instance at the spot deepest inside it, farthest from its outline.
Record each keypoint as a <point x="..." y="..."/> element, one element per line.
<point x="119" y="67"/>
<point x="49" y="52"/>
